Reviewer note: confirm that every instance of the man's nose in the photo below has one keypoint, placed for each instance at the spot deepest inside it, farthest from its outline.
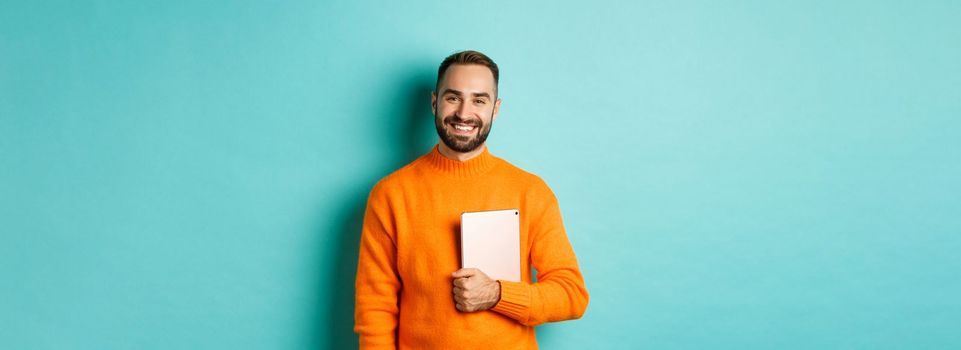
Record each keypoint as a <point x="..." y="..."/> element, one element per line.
<point x="463" y="108"/>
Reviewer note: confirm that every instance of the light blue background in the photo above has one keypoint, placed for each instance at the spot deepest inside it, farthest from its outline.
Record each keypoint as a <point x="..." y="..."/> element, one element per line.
<point x="733" y="175"/>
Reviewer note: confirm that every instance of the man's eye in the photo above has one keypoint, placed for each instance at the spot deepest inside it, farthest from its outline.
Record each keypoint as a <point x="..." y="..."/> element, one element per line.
<point x="480" y="102"/>
<point x="452" y="99"/>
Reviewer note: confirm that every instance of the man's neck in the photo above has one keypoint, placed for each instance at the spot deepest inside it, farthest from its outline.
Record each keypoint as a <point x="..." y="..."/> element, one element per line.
<point x="460" y="156"/>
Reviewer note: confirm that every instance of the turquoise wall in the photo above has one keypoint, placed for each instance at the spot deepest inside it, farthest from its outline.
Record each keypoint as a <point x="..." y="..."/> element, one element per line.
<point x="733" y="175"/>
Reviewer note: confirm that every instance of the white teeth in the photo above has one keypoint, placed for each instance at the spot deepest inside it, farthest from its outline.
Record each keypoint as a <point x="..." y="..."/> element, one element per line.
<point x="464" y="127"/>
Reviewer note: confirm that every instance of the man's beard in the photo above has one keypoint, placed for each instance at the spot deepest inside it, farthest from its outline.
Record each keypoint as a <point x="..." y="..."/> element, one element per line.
<point x="460" y="143"/>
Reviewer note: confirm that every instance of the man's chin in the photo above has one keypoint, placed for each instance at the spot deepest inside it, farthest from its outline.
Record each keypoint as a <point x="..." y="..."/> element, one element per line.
<point x="462" y="146"/>
<point x="464" y="140"/>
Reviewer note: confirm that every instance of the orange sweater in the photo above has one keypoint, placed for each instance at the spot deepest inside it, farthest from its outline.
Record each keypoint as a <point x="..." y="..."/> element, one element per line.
<point x="409" y="248"/>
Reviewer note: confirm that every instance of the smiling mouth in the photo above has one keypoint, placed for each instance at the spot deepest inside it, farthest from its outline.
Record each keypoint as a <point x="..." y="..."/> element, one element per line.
<point x="462" y="129"/>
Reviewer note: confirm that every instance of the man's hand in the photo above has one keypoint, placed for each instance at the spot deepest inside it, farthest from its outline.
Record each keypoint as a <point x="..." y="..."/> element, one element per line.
<point x="474" y="291"/>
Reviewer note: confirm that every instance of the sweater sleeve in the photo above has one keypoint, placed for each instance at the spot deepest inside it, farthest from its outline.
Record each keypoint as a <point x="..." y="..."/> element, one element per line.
<point x="559" y="293"/>
<point x="378" y="283"/>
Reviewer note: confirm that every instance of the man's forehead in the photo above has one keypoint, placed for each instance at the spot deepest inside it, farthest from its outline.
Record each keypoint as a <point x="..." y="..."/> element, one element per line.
<point x="468" y="78"/>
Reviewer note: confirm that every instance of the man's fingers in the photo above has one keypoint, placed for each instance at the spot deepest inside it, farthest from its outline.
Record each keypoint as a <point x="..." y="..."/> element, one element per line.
<point x="463" y="307"/>
<point x="471" y="294"/>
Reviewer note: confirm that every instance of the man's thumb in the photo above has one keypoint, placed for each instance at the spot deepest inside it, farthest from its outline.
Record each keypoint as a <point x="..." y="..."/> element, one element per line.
<point x="467" y="272"/>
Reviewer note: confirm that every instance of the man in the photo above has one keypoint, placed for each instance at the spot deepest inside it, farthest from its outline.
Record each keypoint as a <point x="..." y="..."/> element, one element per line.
<point x="411" y="291"/>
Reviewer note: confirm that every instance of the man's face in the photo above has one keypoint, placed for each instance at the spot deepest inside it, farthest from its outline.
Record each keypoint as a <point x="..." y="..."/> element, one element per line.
<point x="465" y="105"/>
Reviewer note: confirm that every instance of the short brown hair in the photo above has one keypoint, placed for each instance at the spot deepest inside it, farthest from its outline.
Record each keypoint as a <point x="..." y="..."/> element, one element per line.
<point x="467" y="57"/>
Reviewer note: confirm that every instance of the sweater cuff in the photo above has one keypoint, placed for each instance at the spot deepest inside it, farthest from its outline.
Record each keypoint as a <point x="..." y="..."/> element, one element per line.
<point x="515" y="300"/>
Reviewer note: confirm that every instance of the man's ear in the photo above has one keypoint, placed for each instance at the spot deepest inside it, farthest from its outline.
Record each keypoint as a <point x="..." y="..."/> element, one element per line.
<point x="497" y="109"/>
<point x="433" y="102"/>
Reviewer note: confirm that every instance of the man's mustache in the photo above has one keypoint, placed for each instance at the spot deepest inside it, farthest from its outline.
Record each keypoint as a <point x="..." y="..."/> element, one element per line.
<point x="458" y="120"/>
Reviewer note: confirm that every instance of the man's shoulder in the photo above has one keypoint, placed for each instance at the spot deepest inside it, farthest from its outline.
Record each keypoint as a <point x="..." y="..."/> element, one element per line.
<point x="396" y="180"/>
<point x="524" y="178"/>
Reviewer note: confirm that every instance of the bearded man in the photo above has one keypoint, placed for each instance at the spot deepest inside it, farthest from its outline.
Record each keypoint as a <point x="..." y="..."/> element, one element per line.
<point x="411" y="292"/>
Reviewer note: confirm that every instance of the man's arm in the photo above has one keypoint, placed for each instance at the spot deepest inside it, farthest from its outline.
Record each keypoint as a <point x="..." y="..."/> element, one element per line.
<point x="559" y="293"/>
<point x="378" y="283"/>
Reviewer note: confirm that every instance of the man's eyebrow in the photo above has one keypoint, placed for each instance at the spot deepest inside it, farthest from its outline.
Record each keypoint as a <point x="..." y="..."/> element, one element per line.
<point x="459" y="93"/>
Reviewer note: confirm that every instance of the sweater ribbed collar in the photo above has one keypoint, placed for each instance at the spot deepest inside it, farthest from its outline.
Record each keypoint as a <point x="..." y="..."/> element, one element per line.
<point x="480" y="164"/>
